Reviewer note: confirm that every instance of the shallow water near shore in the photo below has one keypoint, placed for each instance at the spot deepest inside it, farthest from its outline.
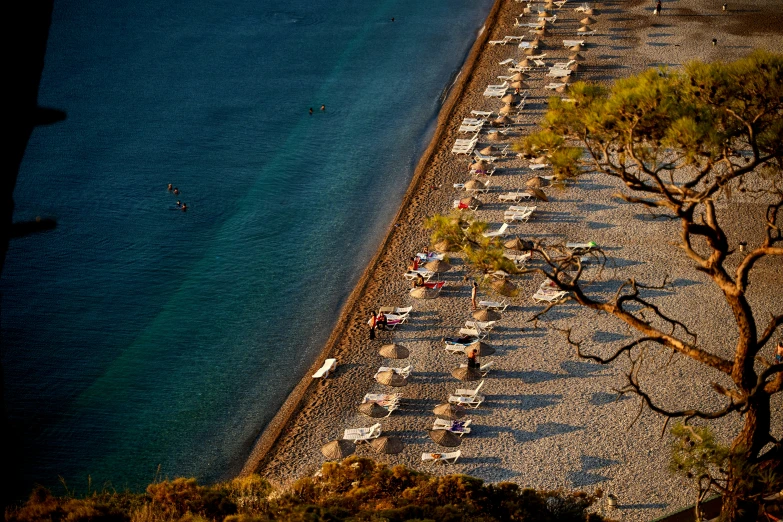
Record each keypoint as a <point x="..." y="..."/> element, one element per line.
<point x="138" y="336"/>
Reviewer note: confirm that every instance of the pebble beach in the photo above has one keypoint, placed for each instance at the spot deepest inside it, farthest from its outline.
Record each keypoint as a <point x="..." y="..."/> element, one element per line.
<point x="550" y="419"/>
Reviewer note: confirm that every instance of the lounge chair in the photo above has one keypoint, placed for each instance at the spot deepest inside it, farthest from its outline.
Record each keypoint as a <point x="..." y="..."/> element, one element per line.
<point x="393" y="320"/>
<point x="458" y="204"/>
<point x="514" y="196"/>
<point x="323" y="371"/>
<point x="397" y="310"/>
<point x="482" y="114"/>
<point x="554" y="86"/>
<point x="547" y="296"/>
<point x="509" y="216"/>
<point x="382" y="399"/>
<point x="481" y="325"/>
<point x="410" y="275"/>
<point x="557" y="72"/>
<point x="450" y="458"/>
<point x="581" y="9"/>
<point x="571" y="43"/>
<point x="483" y="369"/>
<point x="470" y="402"/>
<point x="362" y="434"/>
<point x="581" y="248"/>
<point x="456" y="348"/>
<point x="437" y="285"/>
<point x="478" y="333"/>
<point x="473" y="128"/>
<point x="455" y="426"/>
<point x="519" y="260"/>
<point x="501" y="232"/>
<point x="563" y="65"/>
<point x="538" y="166"/>
<point x="505" y="62"/>
<point x="430" y="256"/>
<point x="405" y="372"/>
<point x="500" y="306"/>
<point x="466" y="392"/>
<point x="473" y="121"/>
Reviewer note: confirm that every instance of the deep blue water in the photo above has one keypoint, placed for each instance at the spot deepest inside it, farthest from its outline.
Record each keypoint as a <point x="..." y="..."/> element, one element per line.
<point x="136" y="335"/>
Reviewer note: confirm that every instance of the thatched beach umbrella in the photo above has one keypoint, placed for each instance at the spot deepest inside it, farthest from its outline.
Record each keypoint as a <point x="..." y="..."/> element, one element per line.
<point x="493" y="136"/>
<point x="549" y="5"/>
<point x="373" y="409"/>
<point x="515" y="244"/>
<point x="577" y="47"/>
<point x="583" y="29"/>
<point x="475" y="184"/>
<point x="518" y="77"/>
<point x="389" y="445"/>
<point x="502" y="120"/>
<point x="422" y="292"/>
<point x="394" y="351"/>
<point x="466" y="374"/>
<point x="445" y="438"/>
<point x="449" y="411"/>
<point x="537" y="193"/>
<point x="525" y="63"/>
<point x="443" y="246"/>
<point x="509" y="98"/>
<point x="543" y="32"/>
<point x="481" y="349"/>
<point x="338" y="449"/>
<point x="489" y="149"/>
<point x="587" y="21"/>
<point x="544" y="14"/>
<point x="536" y="182"/>
<point x="391" y="378"/>
<point x="576" y="56"/>
<point x="479" y="165"/>
<point x="540" y="160"/>
<point x="568" y="79"/>
<point x="438" y="265"/>
<point x="562" y="88"/>
<point x="504" y="287"/>
<point x="590" y="11"/>
<point x="486" y="315"/>
<point x="506" y="109"/>
<point x="575" y="67"/>
<point x="529" y="51"/>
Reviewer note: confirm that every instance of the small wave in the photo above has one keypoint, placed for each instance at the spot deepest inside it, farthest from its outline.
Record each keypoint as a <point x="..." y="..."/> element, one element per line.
<point x="289" y="18"/>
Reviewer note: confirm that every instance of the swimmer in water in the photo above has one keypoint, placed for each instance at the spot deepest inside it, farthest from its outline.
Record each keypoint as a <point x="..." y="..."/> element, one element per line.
<point x="176" y="191"/>
<point x="179" y="205"/>
<point x="184" y="207"/>
<point x="323" y="107"/>
<point x="169" y="187"/>
<point x="311" y="110"/>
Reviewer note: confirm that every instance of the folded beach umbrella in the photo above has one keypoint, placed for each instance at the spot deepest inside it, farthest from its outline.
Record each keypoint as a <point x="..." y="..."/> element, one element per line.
<point x="508" y="98"/>
<point x="587" y="20"/>
<point x="475" y="184"/>
<point x="438" y="265"/>
<point x="537" y="193"/>
<point x="502" y="120"/>
<point x="466" y="374"/>
<point x="481" y="349"/>
<point x="394" y="351"/>
<point x="338" y="449"/>
<point x="422" y="292"/>
<point x="445" y="438"/>
<point x="503" y="287"/>
<point x="518" y="77"/>
<point x="489" y="149"/>
<point x="387" y="444"/>
<point x="577" y="47"/>
<point x="392" y="378"/>
<point x="448" y="411"/>
<point x="486" y="315"/>
<point x="536" y="182"/>
<point x="576" y="56"/>
<point x="373" y="409"/>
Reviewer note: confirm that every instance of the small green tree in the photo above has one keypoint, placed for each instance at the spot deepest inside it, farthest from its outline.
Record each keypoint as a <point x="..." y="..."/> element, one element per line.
<point x="681" y="142"/>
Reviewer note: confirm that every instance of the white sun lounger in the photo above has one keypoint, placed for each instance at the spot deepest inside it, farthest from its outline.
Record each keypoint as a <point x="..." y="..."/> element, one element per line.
<point x="547" y="296"/>
<point x="410" y="275"/>
<point x="538" y="166"/>
<point x="484" y="369"/>
<point x="500" y="306"/>
<point x="470" y="402"/>
<point x="556" y="72"/>
<point x="456" y="426"/>
<point x="363" y="434"/>
<point x="518" y="215"/>
<point x="481" y="325"/>
<point x="382" y="399"/>
<point x="482" y="114"/>
<point x="430" y="256"/>
<point x="323" y="371"/>
<point x="581" y="246"/>
<point x="466" y="392"/>
<point x="571" y="43"/>
<point x="457" y="204"/>
<point x="514" y="196"/>
<point x="405" y="372"/>
<point x="478" y="333"/>
<point x="450" y="458"/>
<point x="401" y="311"/>
<point x="582" y="8"/>
<point x="473" y="128"/>
<point x="485" y="157"/>
<point x="497" y="233"/>
<point x="554" y="86"/>
<point x="563" y="65"/>
<point x="519" y="259"/>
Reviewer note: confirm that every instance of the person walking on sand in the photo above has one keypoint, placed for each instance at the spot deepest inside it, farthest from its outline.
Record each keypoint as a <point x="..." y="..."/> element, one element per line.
<point x="658" y="7"/>
<point x="473" y="292"/>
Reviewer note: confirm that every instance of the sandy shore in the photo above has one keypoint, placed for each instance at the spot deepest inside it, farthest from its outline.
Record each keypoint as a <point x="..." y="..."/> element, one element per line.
<point x="550" y="420"/>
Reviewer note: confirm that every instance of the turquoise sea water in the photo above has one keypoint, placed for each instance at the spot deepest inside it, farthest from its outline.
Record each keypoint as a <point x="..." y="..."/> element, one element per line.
<point x="136" y="335"/>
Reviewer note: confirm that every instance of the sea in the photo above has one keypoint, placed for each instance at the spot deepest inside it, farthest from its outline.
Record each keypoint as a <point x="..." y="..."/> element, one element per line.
<point x="142" y="342"/>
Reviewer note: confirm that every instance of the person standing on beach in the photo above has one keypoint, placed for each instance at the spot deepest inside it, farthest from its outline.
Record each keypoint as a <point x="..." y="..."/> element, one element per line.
<point x="658" y="7"/>
<point x="372" y="325"/>
<point x="473" y="293"/>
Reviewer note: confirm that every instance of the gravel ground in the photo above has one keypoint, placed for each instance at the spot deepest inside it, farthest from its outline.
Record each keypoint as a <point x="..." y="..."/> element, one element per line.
<point x="551" y="420"/>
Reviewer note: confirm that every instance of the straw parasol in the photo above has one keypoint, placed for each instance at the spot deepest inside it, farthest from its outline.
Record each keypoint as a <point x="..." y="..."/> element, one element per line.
<point x="466" y="374"/>
<point x="443" y="246"/>
<point x="394" y="351"/>
<point x="506" y="109"/>
<point x="583" y="29"/>
<point x="338" y="449"/>
<point x="536" y="182"/>
<point x="509" y="98"/>
<point x="486" y="315"/>
<point x="387" y="444"/>
<point x="479" y="165"/>
<point x="549" y="5"/>
<point x="518" y="77"/>
<point x="489" y="149"/>
<point x="544" y="14"/>
<point x="502" y="120"/>
<point x="470" y="202"/>
<point x="438" y="265"/>
<point x="448" y="411"/>
<point x="525" y="63"/>
<point x="422" y="292"/>
<point x="515" y="244"/>
<point x="577" y="47"/>
<point x="475" y="184"/>
<point x="587" y="20"/>
<point x="537" y="193"/>
<point x="575" y="67"/>
<point x="391" y="378"/>
<point x="540" y="160"/>
<point x="445" y="438"/>
<point x="576" y="56"/>
<point x="519" y="85"/>
<point x="493" y="136"/>
<point x="590" y="11"/>
<point x="542" y="32"/>
<point x="568" y="79"/>
<point x="503" y="287"/>
<point x="530" y="51"/>
<point x="373" y="409"/>
<point x="481" y="349"/>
